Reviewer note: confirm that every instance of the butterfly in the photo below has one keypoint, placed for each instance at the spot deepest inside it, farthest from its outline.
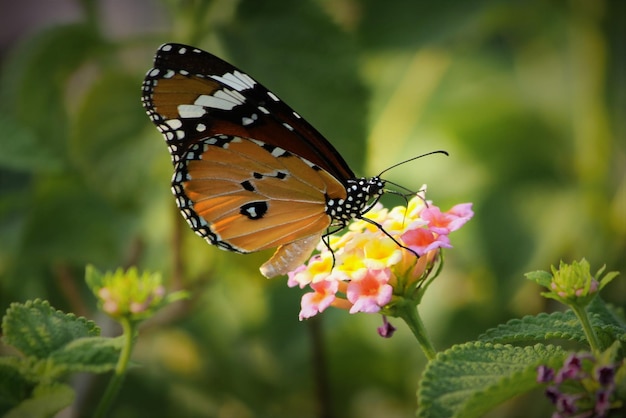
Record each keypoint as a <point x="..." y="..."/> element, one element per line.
<point x="249" y="172"/>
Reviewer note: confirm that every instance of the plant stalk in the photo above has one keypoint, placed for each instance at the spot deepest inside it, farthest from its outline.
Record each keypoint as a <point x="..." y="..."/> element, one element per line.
<point x="409" y="314"/>
<point x="129" y="328"/>
<point x="583" y="317"/>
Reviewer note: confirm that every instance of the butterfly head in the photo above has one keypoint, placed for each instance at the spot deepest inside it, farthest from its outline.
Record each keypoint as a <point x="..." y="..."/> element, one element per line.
<point x="361" y="195"/>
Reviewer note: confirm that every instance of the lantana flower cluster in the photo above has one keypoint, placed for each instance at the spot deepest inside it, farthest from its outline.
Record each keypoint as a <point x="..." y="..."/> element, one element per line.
<point x="364" y="270"/>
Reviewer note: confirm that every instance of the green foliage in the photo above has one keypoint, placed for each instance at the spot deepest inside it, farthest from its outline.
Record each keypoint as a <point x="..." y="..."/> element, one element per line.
<point x="52" y="344"/>
<point x="557" y="325"/>
<point x="470" y="379"/>
<point x="38" y="330"/>
<point x="45" y="401"/>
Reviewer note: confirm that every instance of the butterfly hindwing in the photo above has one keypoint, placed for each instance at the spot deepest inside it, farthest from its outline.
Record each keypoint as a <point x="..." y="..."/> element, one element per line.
<point x="238" y="195"/>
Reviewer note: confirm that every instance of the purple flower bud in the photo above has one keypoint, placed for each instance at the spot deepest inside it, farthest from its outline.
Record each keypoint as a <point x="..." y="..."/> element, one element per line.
<point x="567" y="403"/>
<point x="386" y="330"/>
<point x="544" y="374"/>
<point x="603" y="403"/>
<point x="552" y="393"/>
<point x="605" y="375"/>
<point x="571" y="369"/>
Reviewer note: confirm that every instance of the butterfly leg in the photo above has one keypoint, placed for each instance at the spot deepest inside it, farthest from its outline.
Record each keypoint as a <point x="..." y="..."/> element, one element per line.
<point x="326" y="241"/>
<point x="381" y="229"/>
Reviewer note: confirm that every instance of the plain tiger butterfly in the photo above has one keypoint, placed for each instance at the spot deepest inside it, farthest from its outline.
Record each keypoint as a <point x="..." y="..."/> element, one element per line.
<point x="249" y="172"/>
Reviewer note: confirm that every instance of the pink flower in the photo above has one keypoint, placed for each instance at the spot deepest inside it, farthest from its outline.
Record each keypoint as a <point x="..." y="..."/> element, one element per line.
<point x="313" y="303"/>
<point x="370" y="292"/>
<point x="294" y="277"/>
<point x="444" y="223"/>
<point x="422" y="240"/>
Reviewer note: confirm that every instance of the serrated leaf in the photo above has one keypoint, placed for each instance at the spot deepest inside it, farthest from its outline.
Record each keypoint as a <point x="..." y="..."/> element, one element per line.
<point x="37" y="329"/>
<point x="561" y="325"/>
<point x="91" y="354"/>
<point x="470" y="379"/>
<point x="45" y="402"/>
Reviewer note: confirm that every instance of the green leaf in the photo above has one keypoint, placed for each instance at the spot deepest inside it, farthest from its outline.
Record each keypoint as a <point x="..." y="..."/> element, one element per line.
<point x="45" y="402"/>
<point x="470" y="379"/>
<point x="561" y="325"/>
<point x="90" y="354"/>
<point x="14" y="385"/>
<point x="37" y="329"/>
<point x="540" y="277"/>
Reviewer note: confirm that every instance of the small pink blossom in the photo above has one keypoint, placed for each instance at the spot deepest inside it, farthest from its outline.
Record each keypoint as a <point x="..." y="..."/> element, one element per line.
<point x="316" y="302"/>
<point x="370" y="292"/>
<point x="295" y="278"/>
<point x="422" y="240"/>
<point x="446" y="222"/>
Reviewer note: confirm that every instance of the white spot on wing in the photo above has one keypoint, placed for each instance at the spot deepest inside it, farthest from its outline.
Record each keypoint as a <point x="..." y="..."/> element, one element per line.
<point x="237" y="80"/>
<point x="278" y="151"/>
<point x="221" y="99"/>
<point x="191" y="111"/>
<point x="248" y="121"/>
<point x="174" y="123"/>
<point x="273" y="96"/>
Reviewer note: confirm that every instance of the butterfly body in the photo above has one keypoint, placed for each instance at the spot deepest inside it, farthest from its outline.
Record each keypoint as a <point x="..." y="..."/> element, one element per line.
<point x="249" y="172"/>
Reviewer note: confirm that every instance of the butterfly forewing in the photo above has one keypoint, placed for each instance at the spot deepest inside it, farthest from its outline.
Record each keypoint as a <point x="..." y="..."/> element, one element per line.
<point x="191" y="94"/>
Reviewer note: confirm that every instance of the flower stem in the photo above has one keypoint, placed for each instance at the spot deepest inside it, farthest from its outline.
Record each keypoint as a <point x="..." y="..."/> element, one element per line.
<point x="129" y="328"/>
<point x="409" y="314"/>
<point x="592" y="338"/>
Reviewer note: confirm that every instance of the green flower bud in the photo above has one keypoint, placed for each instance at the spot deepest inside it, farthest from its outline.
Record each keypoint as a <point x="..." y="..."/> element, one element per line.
<point x="127" y="293"/>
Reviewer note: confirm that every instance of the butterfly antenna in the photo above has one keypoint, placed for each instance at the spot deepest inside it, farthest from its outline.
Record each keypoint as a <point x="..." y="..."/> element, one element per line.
<point x="412" y="159"/>
<point x="399" y="186"/>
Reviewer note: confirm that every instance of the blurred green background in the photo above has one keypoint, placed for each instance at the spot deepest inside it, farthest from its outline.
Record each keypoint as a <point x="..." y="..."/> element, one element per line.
<point x="528" y="97"/>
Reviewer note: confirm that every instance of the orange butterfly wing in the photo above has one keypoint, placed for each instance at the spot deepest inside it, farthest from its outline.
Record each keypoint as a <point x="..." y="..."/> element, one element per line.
<point x="244" y="197"/>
